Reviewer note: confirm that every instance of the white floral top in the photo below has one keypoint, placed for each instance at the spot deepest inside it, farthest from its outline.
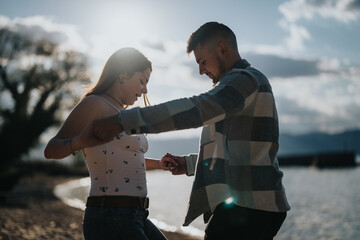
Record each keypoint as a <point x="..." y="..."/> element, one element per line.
<point x="118" y="167"/>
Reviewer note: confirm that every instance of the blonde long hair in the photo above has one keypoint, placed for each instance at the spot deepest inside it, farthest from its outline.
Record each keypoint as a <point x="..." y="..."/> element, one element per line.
<point x="123" y="62"/>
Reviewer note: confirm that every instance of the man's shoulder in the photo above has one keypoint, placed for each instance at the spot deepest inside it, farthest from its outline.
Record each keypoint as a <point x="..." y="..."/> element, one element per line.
<point x="249" y="72"/>
<point x="238" y="73"/>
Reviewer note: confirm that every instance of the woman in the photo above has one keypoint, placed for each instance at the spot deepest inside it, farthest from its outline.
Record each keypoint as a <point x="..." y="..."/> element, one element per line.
<point x="117" y="203"/>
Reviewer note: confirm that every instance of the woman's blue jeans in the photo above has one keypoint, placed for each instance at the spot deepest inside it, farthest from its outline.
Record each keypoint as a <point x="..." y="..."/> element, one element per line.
<point x="119" y="223"/>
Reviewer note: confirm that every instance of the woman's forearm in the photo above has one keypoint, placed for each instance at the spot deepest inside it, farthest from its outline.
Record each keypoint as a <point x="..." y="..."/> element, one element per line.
<point x="152" y="164"/>
<point x="59" y="148"/>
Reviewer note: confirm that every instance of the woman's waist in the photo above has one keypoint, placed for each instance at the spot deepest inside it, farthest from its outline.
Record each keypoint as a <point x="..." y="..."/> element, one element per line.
<point x="119" y="189"/>
<point x="117" y="180"/>
<point x="118" y="201"/>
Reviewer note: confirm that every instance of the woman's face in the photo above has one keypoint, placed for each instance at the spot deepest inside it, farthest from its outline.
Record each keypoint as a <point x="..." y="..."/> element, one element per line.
<point x="134" y="87"/>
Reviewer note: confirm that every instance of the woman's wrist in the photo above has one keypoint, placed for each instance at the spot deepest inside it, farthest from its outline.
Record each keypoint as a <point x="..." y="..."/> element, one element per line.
<point x="74" y="145"/>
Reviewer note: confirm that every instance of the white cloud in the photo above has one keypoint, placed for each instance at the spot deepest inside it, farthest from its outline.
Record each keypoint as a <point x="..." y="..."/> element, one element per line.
<point x="330" y="64"/>
<point x="4" y="21"/>
<point x="340" y="10"/>
<point x="328" y="102"/>
<point x="265" y="49"/>
<point x="39" y="27"/>
<point x="297" y="36"/>
<point x="293" y="11"/>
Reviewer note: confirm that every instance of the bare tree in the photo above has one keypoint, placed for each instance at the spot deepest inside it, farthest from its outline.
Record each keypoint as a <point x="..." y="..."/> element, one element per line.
<point x="37" y="82"/>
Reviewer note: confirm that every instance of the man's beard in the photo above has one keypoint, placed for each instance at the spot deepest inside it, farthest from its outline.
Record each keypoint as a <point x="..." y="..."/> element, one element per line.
<point x="221" y="70"/>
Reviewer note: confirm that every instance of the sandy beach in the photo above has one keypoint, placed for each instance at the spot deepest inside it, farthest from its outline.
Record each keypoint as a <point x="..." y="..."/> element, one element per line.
<point x="32" y="211"/>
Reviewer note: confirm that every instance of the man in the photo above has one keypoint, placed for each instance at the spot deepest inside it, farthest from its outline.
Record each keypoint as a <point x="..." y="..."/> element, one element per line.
<point x="237" y="182"/>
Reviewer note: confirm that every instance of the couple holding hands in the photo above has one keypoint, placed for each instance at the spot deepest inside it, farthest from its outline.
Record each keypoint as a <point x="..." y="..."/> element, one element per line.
<point x="237" y="160"/>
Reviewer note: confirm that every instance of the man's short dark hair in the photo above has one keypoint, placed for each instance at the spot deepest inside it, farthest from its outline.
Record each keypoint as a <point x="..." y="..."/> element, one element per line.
<point x="207" y="32"/>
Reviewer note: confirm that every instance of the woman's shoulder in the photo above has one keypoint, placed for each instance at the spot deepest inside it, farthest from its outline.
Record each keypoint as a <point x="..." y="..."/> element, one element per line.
<point x="92" y="98"/>
<point x="91" y="104"/>
<point x="98" y="105"/>
<point x="92" y="101"/>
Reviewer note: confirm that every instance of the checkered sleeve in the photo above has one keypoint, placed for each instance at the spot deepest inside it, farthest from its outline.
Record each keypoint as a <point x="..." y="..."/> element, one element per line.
<point x="235" y="91"/>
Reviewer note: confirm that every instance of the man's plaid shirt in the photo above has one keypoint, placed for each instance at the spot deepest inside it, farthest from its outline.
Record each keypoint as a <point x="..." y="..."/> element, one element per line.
<point x="239" y="142"/>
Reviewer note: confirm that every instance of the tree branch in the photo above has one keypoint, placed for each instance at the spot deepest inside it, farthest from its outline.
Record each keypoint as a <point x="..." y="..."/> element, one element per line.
<point x="7" y="84"/>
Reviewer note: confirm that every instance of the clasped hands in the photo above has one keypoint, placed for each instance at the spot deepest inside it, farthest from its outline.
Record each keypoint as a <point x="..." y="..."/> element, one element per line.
<point x="175" y="164"/>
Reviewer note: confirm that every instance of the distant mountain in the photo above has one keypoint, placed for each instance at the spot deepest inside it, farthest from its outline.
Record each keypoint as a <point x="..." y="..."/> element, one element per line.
<point x="289" y="144"/>
<point x="319" y="142"/>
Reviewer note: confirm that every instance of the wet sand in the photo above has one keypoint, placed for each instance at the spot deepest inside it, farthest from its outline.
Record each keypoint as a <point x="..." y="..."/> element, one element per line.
<point x="32" y="211"/>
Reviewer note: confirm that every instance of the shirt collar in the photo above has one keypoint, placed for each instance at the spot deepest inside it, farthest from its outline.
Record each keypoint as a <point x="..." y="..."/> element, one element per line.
<point x="241" y="64"/>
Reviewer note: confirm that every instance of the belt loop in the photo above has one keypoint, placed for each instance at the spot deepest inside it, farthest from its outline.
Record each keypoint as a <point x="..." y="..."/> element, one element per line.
<point x="146" y="203"/>
<point x="102" y="201"/>
<point x="140" y="204"/>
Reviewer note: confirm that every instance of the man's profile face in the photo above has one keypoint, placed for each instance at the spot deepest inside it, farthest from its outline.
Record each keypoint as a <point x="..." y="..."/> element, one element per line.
<point x="209" y="62"/>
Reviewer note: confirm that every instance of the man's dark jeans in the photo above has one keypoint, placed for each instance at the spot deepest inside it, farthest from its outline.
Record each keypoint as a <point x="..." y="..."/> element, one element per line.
<point x="234" y="222"/>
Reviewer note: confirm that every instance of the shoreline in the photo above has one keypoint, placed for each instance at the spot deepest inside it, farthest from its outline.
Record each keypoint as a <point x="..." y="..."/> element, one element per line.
<point x="32" y="211"/>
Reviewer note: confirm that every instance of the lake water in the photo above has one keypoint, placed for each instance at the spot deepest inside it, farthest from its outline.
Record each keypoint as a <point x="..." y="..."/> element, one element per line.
<point x="325" y="202"/>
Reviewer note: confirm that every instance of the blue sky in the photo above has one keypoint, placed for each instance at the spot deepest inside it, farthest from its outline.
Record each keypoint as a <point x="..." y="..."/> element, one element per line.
<point x="309" y="49"/>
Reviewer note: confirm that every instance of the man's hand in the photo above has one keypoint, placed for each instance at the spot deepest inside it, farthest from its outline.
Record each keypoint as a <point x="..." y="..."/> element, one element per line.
<point x="181" y="163"/>
<point x="88" y="139"/>
<point x="98" y="132"/>
<point x="107" y="128"/>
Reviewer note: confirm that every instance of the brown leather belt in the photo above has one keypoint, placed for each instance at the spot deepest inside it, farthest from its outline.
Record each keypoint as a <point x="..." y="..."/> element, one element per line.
<point x="118" y="202"/>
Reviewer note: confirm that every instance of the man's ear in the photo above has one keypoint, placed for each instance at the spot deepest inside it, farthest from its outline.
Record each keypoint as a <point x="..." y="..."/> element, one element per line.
<point x="223" y="49"/>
